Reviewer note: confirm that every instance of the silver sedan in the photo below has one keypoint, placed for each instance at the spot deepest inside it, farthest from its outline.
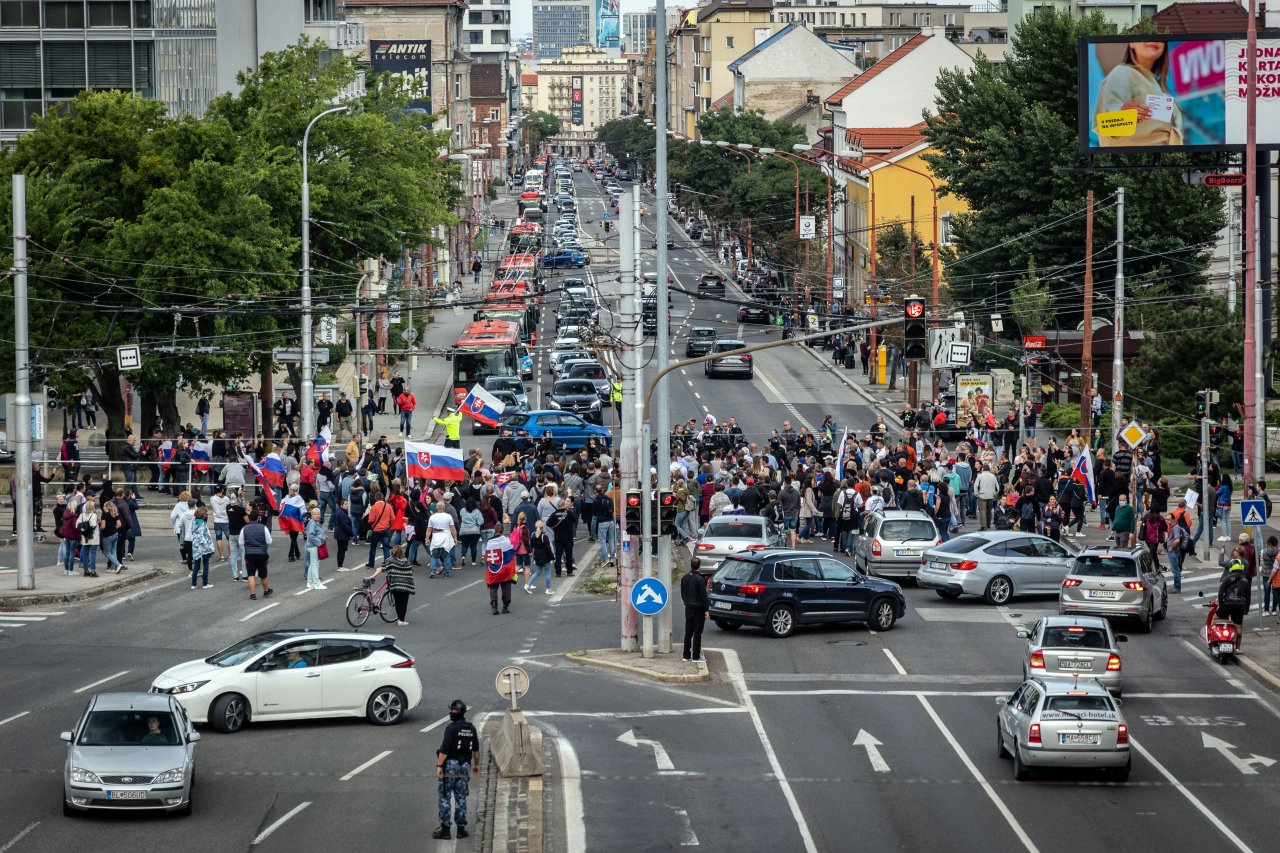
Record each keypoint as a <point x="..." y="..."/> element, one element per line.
<point x="1071" y="646"/>
<point x="727" y="535"/>
<point x="995" y="564"/>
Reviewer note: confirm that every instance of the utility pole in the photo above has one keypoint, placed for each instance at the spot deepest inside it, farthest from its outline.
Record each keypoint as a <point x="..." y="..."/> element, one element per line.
<point x="1086" y="351"/>
<point x="1254" y="390"/>
<point x="1207" y="524"/>
<point x="1231" y="255"/>
<point x="646" y="482"/>
<point x="628" y="451"/>
<point x="1117" y="355"/>
<point x="22" y="498"/>
<point x="663" y="425"/>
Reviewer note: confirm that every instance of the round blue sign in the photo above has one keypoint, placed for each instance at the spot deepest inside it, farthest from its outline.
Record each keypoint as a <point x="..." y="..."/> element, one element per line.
<point x="649" y="596"/>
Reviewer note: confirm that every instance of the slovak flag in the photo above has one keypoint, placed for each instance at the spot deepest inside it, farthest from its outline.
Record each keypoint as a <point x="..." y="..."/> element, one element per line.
<point x="1082" y="472"/>
<point x="483" y="406"/>
<point x="501" y="479"/>
<point x="273" y="470"/>
<point x="321" y="449"/>
<point x="293" y="514"/>
<point x="201" y="453"/>
<point x="499" y="560"/>
<point x="262" y="481"/>
<point x="433" y="462"/>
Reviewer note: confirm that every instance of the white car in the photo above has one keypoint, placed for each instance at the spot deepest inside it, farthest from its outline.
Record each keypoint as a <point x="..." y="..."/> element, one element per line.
<point x="294" y="675"/>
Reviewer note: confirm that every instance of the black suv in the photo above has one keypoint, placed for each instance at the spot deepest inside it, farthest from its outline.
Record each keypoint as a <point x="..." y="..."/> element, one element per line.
<point x="578" y="396"/>
<point x="778" y="589"/>
<point x="699" y="341"/>
<point x="711" y="283"/>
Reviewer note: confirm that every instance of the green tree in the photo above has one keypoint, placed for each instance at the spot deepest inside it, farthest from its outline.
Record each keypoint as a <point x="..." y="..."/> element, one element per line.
<point x="541" y="126"/>
<point x="1031" y="301"/>
<point x="1185" y="347"/>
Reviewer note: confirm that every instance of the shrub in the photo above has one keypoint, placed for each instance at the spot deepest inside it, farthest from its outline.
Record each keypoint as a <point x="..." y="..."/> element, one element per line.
<point x="1179" y="441"/>
<point x="1060" y="416"/>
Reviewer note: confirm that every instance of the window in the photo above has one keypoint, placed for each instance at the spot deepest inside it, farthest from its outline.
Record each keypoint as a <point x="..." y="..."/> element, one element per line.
<point x="110" y="65"/>
<point x="345" y="651"/>
<point x="493" y="113"/>
<point x="475" y="37"/>
<point x="895" y="19"/>
<point x="108" y="13"/>
<point x="944" y="229"/>
<point x="474" y="17"/>
<point x="864" y="19"/>
<point x="796" y="571"/>
<point x="1148" y="11"/>
<point x="706" y="75"/>
<point x="457" y="86"/>
<point x="19" y="13"/>
<point x="64" y="66"/>
<point x="64" y="14"/>
<point x="836" y="571"/>
<point x="728" y="42"/>
<point x="706" y="44"/>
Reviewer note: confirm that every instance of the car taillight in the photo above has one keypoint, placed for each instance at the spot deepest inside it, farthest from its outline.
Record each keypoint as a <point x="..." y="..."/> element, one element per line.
<point x="965" y="565"/>
<point x="756" y="547"/>
<point x="751" y="589"/>
<point x="1122" y="735"/>
<point x="1033" y="736"/>
<point x="876" y="550"/>
<point x="1037" y="660"/>
<point x="1138" y="586"/>
<point x="1072" y="582"/>
<point x="704" y="546"/>
<point x="746" y="358"/>
<point x="404" y="664"/>
<point x="1113" y="663"/>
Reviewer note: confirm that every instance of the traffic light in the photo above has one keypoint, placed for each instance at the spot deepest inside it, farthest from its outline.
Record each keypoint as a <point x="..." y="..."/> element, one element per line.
<point x="1201" y="403"/>
<point x="51" y="394"/>
<point x="634" y="511"/>
<point x="916" y="332"/>
<point x="666" y="521"/>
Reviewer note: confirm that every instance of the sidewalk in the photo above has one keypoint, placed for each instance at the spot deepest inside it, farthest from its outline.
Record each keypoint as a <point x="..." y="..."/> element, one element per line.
<point x="54" y="586"/>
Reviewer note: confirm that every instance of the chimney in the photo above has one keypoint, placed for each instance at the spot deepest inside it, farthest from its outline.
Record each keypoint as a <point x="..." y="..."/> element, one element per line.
<point x="941" y="32"/>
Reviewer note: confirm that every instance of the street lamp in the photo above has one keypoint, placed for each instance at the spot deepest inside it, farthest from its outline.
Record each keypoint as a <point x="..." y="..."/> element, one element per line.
<point x="732" y="149"/>
<point x="306" y="394"/>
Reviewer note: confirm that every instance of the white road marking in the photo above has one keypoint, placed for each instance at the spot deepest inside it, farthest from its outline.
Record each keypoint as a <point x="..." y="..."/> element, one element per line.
<point x="461" y="588"/>
<point x="687" y="836"/>
<point x="569" y="583"/>
<point x="636" y="715"/>
<point x="733" y="667"/>
<point x="24" y="617"/>
<point x="262" y="836"/>
<point x="1182" y="789"/>
<point x="366" y="765"/>
<point x="660" y="756"/>
<point x="259" y="610"/>
<point x="14" y="624"/>
<point x="697" y="395"/>
<point x="575" y="825"/>
<point x="437" y="724"/>
<point x="795" y="413"/>
<point x="14" y="717"/>
<point x="898" y="667"/>
<point x="102" y="681"/>
<point x="868" y="741"/>
<point x="12" y="841"/>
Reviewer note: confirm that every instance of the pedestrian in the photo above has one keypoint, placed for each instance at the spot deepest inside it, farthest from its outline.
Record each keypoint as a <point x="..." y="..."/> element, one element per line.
<point x="542" y="553"/>
<point x="255" y="540"/>
<point x="313" y="537"/>
<point x="1154" y="531"/>
<point x="522" y="540"/>
<point x="201" y="547"/>
<point x="1222" y="506"/>
<point x="343" y="533"/>
<point x="602" y="509"/>
<point x="693" y="592"/>
<point x="344" y="412"/>
<point x="986" y="487"/>
<point x="476" y="267"/>
<point x="456" y="760"/>
<point x="500" y="569"/>
<point x="89" y="526"/>
<point x="452" y="423"/>
<point x="221" y="526"/>
<point x="1175" y="545"/>
<point x="561" y="522"/>
<point x="1124" y="522"/>
<point x="237" y="517"/>
<point x="377" y="520"/>
<point x="406" y="402"/>
<point x="384" y="388"/>
<point x="111" y="534"/>
<point x="1051" y="518"/>
<point x="444" y="536"/>
<point x="469" y="523"/>
<point x="399" y="581"/>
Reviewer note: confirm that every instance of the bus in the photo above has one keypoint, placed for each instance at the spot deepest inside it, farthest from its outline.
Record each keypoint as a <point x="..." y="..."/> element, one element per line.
<point x="524" y="266"/>
<point x="533" y="179"/>
<point x="521" y="314"/>
<point x="485" y="348"/>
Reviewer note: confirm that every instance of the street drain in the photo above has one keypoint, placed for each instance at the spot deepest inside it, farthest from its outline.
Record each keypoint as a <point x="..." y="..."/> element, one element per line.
<point x="846" y="643"/>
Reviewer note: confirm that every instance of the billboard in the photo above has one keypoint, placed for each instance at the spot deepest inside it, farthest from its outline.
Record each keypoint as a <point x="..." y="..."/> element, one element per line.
<point x="1142" y="93"/>
<point x="408" y="60"/>
<point x="607" y="24"/>
<point x="575" y="102"/>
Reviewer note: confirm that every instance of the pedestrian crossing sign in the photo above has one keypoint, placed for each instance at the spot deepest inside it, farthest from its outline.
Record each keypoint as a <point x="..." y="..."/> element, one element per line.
<point x="1253" y="513"/>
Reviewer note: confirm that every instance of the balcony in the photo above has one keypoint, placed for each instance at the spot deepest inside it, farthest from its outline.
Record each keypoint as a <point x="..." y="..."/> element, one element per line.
<point x="338" y="35"/>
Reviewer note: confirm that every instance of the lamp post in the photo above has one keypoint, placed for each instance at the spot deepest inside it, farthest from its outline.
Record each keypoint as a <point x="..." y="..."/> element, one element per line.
<point x="830" y="233"/>
<point x="307" y="393"/>
<point x="736" y="149"/>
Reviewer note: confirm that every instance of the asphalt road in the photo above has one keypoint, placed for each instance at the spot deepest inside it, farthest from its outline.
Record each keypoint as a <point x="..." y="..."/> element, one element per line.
<point x="762" y="758"/>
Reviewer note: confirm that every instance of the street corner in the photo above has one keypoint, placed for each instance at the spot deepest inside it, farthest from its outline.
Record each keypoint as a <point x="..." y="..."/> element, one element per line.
<point x="662" y="668"/>
<point x="53" y="586"/>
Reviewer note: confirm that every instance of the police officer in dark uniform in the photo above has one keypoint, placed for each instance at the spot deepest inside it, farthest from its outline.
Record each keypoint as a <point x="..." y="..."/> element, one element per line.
<point x="456" y="759"/>
<point x="693" y="592"/>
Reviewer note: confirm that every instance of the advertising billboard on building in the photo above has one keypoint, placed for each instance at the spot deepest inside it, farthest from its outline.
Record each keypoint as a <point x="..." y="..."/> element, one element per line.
<point x="575" y="100"/>
<point x="1161" y="92"/>
<point x="408" y="60"/>
<point x="607" y="34"/>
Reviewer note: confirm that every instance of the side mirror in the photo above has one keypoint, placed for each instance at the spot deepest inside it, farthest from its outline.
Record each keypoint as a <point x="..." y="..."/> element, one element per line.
<point x="1000" y="700"/>
<point x="547" y="394"/>
<point x="193" y="737"/>
<point x="268" y="666"/>
<point x="66" y="736"/>
<point x="1022" y="635"/>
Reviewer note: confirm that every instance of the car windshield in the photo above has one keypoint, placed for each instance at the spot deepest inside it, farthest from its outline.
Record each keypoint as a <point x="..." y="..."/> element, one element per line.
<point x="726" y="346"/>
<point x="504" y="383"/>
<point x="1075" y="637"/>
<point x="703" y="333"/>
<point x="962" y="545"/>
<point x="725" y="529"/>
<point x="908" y="530"/>
<point x="1077" y="704"/>
<point x="588" y="371"/>
<point x="736" y="570"/>
<point x="1105" y="566"/>
<point x="129" y="728"/>
<point x="574" y="386"/>
<point x="245" y="649"/>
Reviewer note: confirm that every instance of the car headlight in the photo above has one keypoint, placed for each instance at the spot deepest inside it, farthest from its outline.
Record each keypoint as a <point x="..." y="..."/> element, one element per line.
<point x="595" y="404"/>
<point x="168" y="777"/>
<point x="554" y="404"/>
<point x="79" y="774"/>
<point x="189" y="687"/>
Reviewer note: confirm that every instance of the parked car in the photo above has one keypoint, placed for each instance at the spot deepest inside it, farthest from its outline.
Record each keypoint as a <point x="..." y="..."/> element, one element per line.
<point x="1074" y="646"/>
<point x="1115" y="583"/>
<point x="565" y="427"/>
<point x="739" y="365"/>
<point x="273" y="676"/>
<point x="578" y="396"/>
<point x="130" y="751"/>
<point x="779" y="589"/>
<point x="559" y="258"/>
<point x="995" y="564"/>
<point x="1050" y="722"/>
<point x="727" y="535"/>
<point x="892" y="542"/>
<point x="699" y="341"/>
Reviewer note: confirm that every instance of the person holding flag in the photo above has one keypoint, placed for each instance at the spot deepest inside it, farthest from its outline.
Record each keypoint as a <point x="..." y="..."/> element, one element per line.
<point x="268" y="493"/>
<point x="452" y="422"/>
<point x="293" y="515"/>
<point x="500" y="568"/>
<point x="1080" y="491"/>
<point x="480" y="405"/>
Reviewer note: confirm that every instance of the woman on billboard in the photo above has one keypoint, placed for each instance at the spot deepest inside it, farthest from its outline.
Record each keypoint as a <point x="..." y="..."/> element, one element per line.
<point x="1139" y="83"/>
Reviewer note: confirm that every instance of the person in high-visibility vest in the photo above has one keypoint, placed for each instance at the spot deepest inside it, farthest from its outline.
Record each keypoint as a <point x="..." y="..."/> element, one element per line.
<point x="615" y="395"/>
<point x="452" y="422"/>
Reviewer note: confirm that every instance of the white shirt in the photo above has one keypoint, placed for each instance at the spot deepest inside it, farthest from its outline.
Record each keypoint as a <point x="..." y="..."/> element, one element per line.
<point x="441" y="527"/>
<point x="219" y="504"/>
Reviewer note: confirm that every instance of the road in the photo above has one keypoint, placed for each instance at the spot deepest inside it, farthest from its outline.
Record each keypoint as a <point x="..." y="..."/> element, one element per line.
<point x="832" y="739"/>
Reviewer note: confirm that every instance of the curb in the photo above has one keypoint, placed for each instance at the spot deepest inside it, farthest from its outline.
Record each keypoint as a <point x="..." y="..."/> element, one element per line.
<point x="584" y="658"/>
<point x="11" y="603"/>
<point x="1259" y="671"/>
<point x="879" y="407"/>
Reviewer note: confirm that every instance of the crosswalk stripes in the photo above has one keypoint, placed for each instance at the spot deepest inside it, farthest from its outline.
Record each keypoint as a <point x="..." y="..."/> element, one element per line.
<point x="21" y="620"/>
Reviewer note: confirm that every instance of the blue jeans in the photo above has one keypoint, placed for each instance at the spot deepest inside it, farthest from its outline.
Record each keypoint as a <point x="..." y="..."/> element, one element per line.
<point x="1223" y="517"/>
<point x="412" y="554"/>
<point x="543" y="571"/>
<point x="406" y="421"/>
<point x="109" y="549"/>
<point x="67" y="554"/>
<point x="238" y="569"/>
<point x="313" y="564"/>
<point x="944" y="527"/>
<point x="328" y="506"/>
<point x="442" y="557"/>
<point x="846" y="539"/>
<point x="200" y="565"/>
<point x="608" y="545"/>
<point x="469" y="543"/>
<point x="1175" y="565"/>
<point x="1237" y="461"/>
<point x="89" y="558"/>
<point x="376" y="538"/>
<point x="687" y="524"/>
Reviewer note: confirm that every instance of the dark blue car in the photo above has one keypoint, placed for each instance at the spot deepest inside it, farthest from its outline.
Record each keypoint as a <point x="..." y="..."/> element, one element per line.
<point x="564" y="427"/>
<point x="560" y="258"/>
<point x="779" y="589"/>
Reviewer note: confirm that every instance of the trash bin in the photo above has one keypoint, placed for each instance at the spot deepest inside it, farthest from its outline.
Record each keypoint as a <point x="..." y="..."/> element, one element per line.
<point x="850" y="361"/>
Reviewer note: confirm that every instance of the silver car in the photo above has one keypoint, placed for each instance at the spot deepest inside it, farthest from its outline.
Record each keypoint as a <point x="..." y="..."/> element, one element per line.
<point x="893" y="541"/>
<point x="1071" y="646"/>
<point x="995" y="564"/>
<point x="1062" y="723"/>
<point x="1124" y="583"/>
<point x="130" y="751"/>
<point x="727" y="535"/>
<point x="735" y="365"/>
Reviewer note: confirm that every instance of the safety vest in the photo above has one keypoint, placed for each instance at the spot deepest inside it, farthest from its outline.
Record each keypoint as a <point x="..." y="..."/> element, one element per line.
<point x="615" y="396"/>
<point x="452" y="425"/>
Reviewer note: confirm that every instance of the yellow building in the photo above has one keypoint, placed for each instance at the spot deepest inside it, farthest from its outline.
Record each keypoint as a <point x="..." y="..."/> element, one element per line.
<point x="726" y="30"/>
<point x="585" y="84"/>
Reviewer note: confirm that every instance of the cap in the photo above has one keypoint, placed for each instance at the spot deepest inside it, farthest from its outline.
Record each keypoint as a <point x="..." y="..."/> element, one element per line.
<point x="751" y="481"/>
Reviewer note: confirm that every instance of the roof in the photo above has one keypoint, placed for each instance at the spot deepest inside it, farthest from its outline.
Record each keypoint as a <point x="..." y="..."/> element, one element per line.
<point x="733" y="6"/>
<point x="528" y="79"/>
<point x="461" y="4"/>
<point x="726" y="101"/>
<point x="884" y="138"/>
<point x="879" y="68"/>
<point x="1222" y="17"/>
<point x="761" y="46"/>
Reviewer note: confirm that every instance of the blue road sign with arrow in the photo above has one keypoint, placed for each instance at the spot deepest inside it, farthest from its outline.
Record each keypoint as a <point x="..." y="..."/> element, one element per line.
<point x="649" y="596"/>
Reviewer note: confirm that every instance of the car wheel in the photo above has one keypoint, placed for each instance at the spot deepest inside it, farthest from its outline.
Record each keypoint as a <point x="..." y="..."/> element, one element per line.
<point x="1021" y="772"/>
<point x="229" y="713"/>
<point x="948" y="594"/>
<point x="67" y="811"/>
<point x="781" y="621"/>
<point x="1164" y="608"/>
<point x="751" y="375"/>
<point x="1144" y="624"/>
<point x="1121" y="774"/>
<point x="386" y="706"/>
<point x="883" y="614"/>
<point x="727" y="626"/>
<point x="999" y="590"/>
<point x="1001" y="752"/>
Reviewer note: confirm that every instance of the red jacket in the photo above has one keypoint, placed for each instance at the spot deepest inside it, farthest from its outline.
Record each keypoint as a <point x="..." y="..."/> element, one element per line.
<point x="406" y="402"/>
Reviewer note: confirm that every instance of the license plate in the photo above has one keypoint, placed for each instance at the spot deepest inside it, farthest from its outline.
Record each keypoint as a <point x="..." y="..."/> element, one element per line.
<point x="1104" y="594"/>
<point x="1226" y="647"/>
<point x="907" y="552"/>
<point x="1075" y="664"/>
<point x="722" y="605"/>
<point x="1069" y="738"/>
<point x="939" y="567"/>
<point x="126" y="795"/>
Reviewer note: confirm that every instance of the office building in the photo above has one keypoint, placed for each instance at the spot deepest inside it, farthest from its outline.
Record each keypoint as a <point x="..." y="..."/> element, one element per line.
<point x="559" y="24"/>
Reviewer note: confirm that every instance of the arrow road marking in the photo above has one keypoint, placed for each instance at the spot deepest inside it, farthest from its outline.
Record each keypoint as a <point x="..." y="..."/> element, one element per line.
<point x="868" y="740"/>
<point x="1244" y="765"/>
<point x="688" y="838"/>
<point x="659" y="753"/>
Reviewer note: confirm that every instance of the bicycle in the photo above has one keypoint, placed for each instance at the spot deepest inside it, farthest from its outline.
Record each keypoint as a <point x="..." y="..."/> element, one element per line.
<point x="366" y="600"/>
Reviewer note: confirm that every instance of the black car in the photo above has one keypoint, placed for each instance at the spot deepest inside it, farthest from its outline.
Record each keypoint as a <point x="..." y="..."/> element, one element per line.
<point x="711" y="283"/>
<point x="624" y="174"/>
<point x="757" y="314"/>
<point x="778" y="589"/>
<point x="699" y="341"/>
<point x="578" y="396"/>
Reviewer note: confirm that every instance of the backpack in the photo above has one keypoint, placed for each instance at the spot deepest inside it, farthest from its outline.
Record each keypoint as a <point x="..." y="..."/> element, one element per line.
<point x="1028" y="512"/>
<point x="846" y="508"/>
<point x="1151" y="530"/>
<point x="1237" y="590"/>
<point x="85" y="529"/>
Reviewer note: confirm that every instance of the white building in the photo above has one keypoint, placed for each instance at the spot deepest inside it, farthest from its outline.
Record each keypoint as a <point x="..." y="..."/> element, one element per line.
<point x="488" y="30"/>
<point x="635" y="30"/>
